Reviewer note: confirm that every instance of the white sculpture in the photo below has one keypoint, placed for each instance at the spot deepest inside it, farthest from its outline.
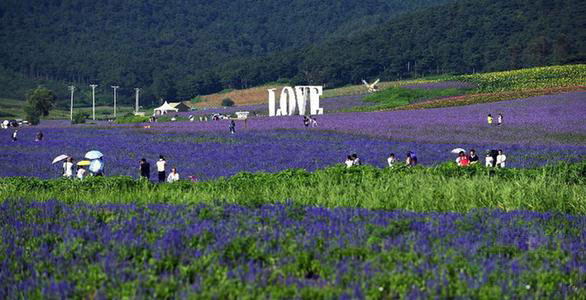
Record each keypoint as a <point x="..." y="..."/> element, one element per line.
<point x="292" y="100"/>
<point x="371" y="87"/>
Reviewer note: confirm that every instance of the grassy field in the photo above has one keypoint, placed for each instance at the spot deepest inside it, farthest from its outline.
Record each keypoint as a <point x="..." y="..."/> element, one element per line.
<point x="12" y="109"/>
<point x="442" y="188"/>
<point x="494" y="86"/>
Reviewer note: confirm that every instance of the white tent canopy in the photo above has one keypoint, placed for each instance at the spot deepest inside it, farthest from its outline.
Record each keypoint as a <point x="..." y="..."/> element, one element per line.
<point x="163" y="109"/>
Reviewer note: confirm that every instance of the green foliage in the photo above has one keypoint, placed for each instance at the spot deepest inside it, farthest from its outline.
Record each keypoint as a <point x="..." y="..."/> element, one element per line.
<point x="79" y="117"/>
<point x="227" y="102"/>
<point x="39" y="102"/>
<point x="131" y="118"/>
<point x="442" y="188"/>
<point x="32" y="115"/>
<point x="237" y="49"/>
<point x="533" y="78"/>
<point x="395" y="96"/>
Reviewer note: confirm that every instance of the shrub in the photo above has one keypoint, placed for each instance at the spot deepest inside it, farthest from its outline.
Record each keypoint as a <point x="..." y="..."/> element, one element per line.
<point x="227" y="102"/>
<point x="79" y="117"/>
<point x="131" y="118"/>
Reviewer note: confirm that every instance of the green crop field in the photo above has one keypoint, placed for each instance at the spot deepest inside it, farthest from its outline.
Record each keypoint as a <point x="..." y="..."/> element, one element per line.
<point x="442" y="188"/>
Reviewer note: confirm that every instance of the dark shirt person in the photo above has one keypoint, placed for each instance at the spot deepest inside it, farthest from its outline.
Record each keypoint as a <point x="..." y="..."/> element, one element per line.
<point x="145" y="169"/>
<point x="472" y="157"/>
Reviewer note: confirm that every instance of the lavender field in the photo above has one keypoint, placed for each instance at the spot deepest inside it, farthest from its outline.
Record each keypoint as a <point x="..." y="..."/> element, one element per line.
<point x="536" y="131"/>
<point x="286" y="251"/>
<point x="336" y="233"/>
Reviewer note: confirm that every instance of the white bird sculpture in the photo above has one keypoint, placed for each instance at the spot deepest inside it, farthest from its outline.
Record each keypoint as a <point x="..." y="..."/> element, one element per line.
<point x="371" y="87"/>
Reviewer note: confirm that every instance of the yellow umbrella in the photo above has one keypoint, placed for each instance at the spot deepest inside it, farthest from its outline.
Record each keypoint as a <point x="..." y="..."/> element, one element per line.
<point x="84" y="163"/>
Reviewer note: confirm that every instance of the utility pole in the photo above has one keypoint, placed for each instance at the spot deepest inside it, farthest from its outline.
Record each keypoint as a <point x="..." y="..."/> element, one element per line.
<point x="72" y="89"/>
<point x="93" y="86"/>
<point x="137" y="90"/>
<point x="115" y="87"/>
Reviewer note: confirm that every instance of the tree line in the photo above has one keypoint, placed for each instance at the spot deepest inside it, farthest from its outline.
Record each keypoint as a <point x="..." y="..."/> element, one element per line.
<point x="178" y="49"/>
<point x="169" y="48"/>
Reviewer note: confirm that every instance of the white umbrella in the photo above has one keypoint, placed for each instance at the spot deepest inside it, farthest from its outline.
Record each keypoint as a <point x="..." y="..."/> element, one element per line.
<point x="458" y="150"/>
<point x="94" y="154"/>
<point x="60" y="158"/>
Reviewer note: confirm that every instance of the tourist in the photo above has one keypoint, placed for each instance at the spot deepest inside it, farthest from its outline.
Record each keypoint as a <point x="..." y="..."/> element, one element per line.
<point x="355" y="160"/>
<point x="411" y="159"/>
<point x="191" y="118"/>
<point x="200" y="118"/>
<point x="145" y="169"/>
<point x="349" y="161"/>
<point x="489" y="119"/>
<point x="462" y="159"/>
<point x="499" y="119"/>
<point x="80" y="172"/>
<point x="500" y="159"/>
<point x="97" y="167"/>
<point x="313" y="121"/>
<point x="161" y="164"/>
<point x="14" y="135"/>
<point x="488" y="160"/>
<point x="232" y="127"/>
<point x="391" y="160"/>
<point x="39" y="136"/>
<point x="68" y="168"/>
<point x="472" y="157"/>
<point x="173" y="176"/>
<point x="305" y="121"/>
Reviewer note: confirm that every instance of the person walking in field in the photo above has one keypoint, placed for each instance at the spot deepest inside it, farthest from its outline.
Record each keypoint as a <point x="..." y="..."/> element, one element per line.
<point x="349" y="161"/>
<point x="355" y="160"/>
<point x="500" y="159"/>
<point x="499" y="120"/>
<point x="68" y="168"/>
<point x="145" y="169"/>
<point x="472" y="157"/>
<point x="488" y="160"/>
<point x="173" y="176"/>
<point x="411" y="159"/>
<point x="489" y="119"/>
<point x="313" y="121"/>
<point x="305" y="121"/>
<point x="232" y="127"/>
<point x="80" y="172"/>
<point x="391" y="160"/>
<point x="462" y="159"/>
<point x="39" y="136"/>
<point x="97" y="167"/>
<point x="15" y="135"/>
<point x="161" y="164"/>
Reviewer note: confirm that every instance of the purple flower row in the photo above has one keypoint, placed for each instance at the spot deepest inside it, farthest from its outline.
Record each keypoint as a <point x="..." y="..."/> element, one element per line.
<point x="55" y="250"/>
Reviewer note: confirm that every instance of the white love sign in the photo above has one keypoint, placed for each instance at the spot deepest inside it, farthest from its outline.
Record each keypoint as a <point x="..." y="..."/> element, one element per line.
<point x="292" y="100"/>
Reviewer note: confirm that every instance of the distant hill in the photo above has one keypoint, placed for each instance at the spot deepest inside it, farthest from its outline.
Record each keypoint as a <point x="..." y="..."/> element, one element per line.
<point x="165" y="46"/>
<point x="461" y="37"/>
<point x="178" y="49"/>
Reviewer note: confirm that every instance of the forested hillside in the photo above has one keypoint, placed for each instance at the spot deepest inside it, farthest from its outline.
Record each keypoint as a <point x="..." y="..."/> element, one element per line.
<point x="166" y="46"/>
<point x="462" y="37"/>
<point x="180" y="49"/>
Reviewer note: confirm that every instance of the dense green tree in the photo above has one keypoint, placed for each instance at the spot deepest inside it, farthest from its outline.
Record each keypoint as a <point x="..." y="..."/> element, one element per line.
<point x="40" y="101"/>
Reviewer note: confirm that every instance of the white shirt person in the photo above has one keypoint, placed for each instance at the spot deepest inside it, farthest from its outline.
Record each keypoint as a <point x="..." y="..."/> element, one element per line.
<point x="173" y="176"/>
<point x="68" y="168"/>
<point x="391" y="160"/>
<point x="161" y="164"/>
<point x="500" y="159"/>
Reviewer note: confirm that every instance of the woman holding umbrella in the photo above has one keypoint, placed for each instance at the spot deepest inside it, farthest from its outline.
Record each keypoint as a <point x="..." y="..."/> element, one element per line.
<point x="68" y="167"/>
<point x="97" y="164"/>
